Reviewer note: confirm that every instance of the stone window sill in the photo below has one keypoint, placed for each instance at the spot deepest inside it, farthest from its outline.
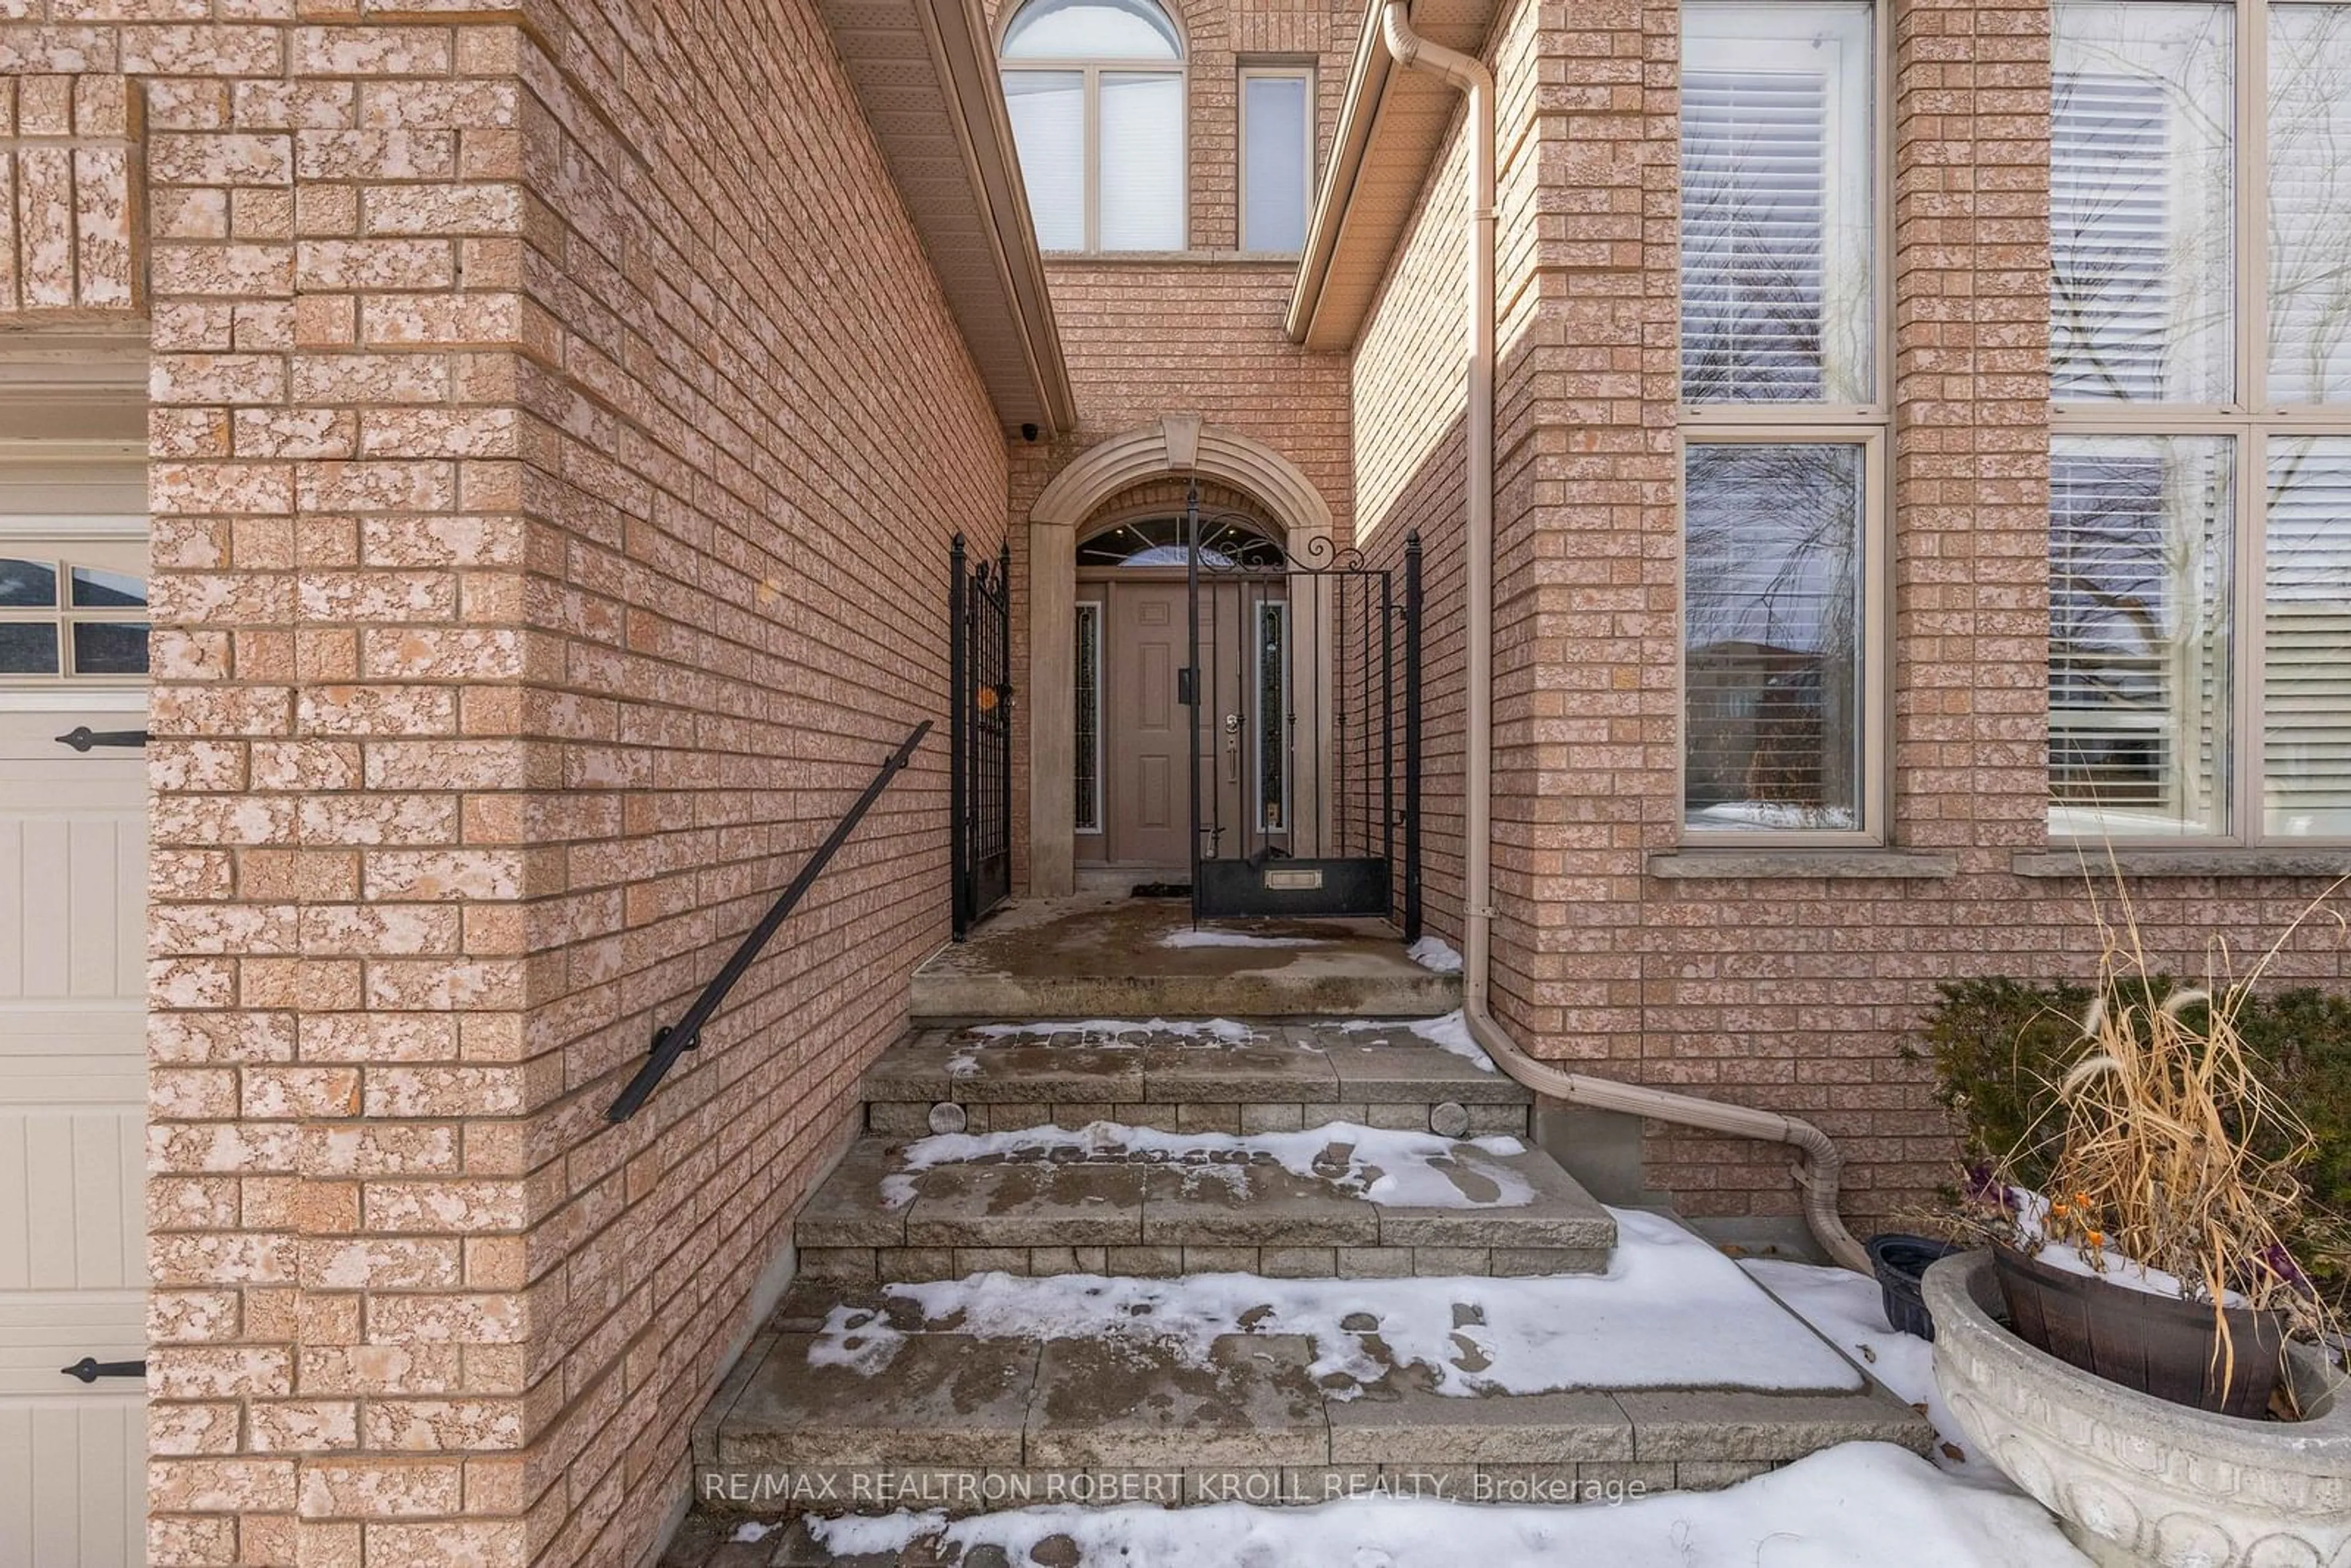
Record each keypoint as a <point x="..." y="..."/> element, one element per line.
<point x="1171" y="259"/>
<point x="2096" y="864"/>
<point x="1688" y="865"/>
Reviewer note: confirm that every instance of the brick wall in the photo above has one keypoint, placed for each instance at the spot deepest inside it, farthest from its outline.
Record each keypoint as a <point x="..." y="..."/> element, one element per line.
<point x="70" y="168"/>
<point x="754" y="432"/>
<point x="556" y="441"/>
<point x="1789" y="992"/>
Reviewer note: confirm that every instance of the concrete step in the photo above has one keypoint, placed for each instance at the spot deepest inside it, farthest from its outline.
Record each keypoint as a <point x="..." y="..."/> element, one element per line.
<point x="1190" y="1075"/>
<point x="1335" y="1200"/>
<point x="832" y="1420"/>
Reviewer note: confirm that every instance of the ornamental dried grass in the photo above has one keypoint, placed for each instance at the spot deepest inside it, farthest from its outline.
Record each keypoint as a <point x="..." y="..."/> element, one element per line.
<point x="2157" y="1118"/>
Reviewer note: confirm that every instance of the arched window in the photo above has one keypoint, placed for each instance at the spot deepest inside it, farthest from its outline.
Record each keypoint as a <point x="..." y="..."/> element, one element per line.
<point x="1096" y="89"/>
<point x="1159" y="541"/>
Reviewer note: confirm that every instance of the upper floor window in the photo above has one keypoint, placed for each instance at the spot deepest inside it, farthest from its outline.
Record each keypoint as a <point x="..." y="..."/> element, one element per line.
<point x="2199" y="523"/>
<point x="1276" y="156"/>
<point x="1096" y="91"/>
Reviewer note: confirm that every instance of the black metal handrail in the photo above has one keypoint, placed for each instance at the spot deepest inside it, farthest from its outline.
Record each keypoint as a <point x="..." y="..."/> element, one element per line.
<point x="674" y="1041"/>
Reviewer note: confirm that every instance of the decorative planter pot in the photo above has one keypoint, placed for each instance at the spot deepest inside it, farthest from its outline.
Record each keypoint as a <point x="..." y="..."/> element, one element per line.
<point x="2156" y="1345"/>
<point x="2136" y="1479"/>
<point x="1900" y="1263"/>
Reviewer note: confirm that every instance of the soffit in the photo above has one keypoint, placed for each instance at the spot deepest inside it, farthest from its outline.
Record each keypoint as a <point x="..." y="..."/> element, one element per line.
<point x="925" y="78"/>
<point x="1391" y="132"/>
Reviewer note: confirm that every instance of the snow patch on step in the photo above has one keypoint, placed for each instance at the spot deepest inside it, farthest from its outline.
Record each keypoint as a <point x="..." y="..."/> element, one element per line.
<point x="1202" y="936"/>
<point x="1448" y="1032"/>
<point x="1670" y="1313"/>
<point x="1392" y="1167"/>
<point x="1224" y="1030"/>
<point x="1855" y="1503"/>
<point x="1435" y="955"/>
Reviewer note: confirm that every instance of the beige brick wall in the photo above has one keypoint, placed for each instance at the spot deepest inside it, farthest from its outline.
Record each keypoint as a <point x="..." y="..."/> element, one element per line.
<point x="754" y="433"/>
<point x="70" y="168"/>
<point x="1793" y="993"/>
<point x="556" y="439"/>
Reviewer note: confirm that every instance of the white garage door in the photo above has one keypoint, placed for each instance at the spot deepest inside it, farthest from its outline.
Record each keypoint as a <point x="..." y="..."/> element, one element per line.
<point x="73" y="1062"/>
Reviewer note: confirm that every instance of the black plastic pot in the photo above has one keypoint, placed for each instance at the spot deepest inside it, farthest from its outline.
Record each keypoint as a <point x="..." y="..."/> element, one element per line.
<point x="2160" y="1345"/>
<point x="1900" y="1263"/>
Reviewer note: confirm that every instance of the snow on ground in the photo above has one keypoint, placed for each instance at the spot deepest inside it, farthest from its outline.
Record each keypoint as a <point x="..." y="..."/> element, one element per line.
<point x="1448" y="1032"/>
<point x="1203" y="937"/>
<point x="1432" y="953"/>
<point x="1392" y="1167"/>
<point x="1670" y="1313"/>
<point x="1108" y="1031"/>
<point x="1847" y="1310"/>
<point x="1861" y="1505"/>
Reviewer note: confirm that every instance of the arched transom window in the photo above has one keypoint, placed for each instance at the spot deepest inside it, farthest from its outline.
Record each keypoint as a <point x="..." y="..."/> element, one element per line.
<point x="1096" y="89"/>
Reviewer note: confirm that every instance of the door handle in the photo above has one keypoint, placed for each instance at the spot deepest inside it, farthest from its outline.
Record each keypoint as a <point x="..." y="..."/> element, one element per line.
<point x="90" y="1369"/>
<point x="81" y="738"/>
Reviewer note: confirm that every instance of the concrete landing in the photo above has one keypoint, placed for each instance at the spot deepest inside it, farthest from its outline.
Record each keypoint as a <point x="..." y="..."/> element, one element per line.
<point x="1106" y="956"/>
<point x="966" y="1422"/>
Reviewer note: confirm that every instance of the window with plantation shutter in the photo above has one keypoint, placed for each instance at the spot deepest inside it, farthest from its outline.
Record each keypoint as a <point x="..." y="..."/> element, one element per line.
<point x="1775" y="229"/>
<point x="2110" y="305"/>
<point x="2306" y="639"/>
<point x="2310" y="204"/>
<point x="2141" y="202"/>
<point x="1753" y="167"/>
<point x="2199" y="519"/>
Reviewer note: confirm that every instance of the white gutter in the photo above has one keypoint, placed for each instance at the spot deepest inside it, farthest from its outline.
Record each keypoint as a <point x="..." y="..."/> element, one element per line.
<point x="1817" y="1162"/>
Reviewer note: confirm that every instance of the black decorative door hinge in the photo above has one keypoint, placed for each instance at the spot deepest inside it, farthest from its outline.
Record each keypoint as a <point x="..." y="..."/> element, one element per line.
<point x="90" y="1369"/>
<point x="81" y="738"/>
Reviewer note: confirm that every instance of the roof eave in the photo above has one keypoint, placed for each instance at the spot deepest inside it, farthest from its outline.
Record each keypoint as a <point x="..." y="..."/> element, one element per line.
<point x="933" y="125"/>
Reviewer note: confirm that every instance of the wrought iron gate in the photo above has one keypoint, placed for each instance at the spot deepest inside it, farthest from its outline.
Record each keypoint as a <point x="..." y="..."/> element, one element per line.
<point x="1303" y="679"/>
<point x="979" y="789"/>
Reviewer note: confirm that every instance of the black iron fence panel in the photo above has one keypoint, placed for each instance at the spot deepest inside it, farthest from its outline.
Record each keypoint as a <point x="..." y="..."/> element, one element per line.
<point x="979" y="791"/>
<point x="1302" y="673"/>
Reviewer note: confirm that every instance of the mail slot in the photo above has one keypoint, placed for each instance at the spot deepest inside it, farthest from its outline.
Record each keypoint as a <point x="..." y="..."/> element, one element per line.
<point x="1293" y="879"/>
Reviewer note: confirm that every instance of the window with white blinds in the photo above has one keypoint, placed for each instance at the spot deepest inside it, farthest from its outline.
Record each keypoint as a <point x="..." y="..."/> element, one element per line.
<point x="1099" y="130"/>
<point x="2310" y="204"/>
<point x="1775" y="224"/>
<point x="2109" y="233"/>
<point x="2140" y="203"/>
<point x="2306" y="641"/>
<point x="2200" y="524"/>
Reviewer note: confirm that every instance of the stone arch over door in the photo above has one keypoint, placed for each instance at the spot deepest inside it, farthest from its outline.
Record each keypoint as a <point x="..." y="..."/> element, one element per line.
<point x="1178" y="446"/>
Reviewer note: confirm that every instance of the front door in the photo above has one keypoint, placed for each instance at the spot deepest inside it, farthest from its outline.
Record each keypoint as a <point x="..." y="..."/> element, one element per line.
<point x="73" y="1062"/>
<point x="1146" y="744"/>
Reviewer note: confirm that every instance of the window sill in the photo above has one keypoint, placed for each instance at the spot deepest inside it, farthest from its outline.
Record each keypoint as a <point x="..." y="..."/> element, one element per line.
<point x="2094" y="863"/>
<point x="1270" y="258"/>
<point x="1693" y="865"/>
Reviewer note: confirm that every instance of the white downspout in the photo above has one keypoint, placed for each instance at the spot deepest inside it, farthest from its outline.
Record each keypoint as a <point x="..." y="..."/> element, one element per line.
<point x="1817" y="1162"/>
